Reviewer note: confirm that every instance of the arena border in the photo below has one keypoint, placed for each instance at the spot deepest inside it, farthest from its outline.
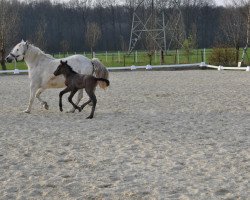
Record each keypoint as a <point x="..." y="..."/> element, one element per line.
<point x="192" y="66"/>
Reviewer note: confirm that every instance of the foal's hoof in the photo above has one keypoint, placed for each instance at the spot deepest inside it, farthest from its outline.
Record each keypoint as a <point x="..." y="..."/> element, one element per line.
<point x="89" y="117"/>
<point x="61" y="109"/>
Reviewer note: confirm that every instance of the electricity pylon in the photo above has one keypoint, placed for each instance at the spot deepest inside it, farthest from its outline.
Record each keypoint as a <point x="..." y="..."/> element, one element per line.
<point x="153" y="26"/>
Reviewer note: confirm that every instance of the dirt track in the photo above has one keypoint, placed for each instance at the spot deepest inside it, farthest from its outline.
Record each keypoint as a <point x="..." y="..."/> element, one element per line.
<point x="155" y="135"/>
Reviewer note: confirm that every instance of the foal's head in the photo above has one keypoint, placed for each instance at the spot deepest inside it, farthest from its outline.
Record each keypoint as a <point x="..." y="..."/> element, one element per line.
<point x="64" y="69"/>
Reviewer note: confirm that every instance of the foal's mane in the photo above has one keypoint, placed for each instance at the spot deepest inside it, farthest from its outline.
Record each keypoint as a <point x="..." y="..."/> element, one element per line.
<point x="70" y="68"/>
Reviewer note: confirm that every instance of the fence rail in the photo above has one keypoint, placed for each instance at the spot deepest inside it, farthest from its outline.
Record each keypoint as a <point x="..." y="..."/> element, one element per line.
<point x="202" y="65"/>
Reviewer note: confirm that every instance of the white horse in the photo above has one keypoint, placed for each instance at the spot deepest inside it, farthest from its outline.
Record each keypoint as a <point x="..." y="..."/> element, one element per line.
<point x="41" y="67"/>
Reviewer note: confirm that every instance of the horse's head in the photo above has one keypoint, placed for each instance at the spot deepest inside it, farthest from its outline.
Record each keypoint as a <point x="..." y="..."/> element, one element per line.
<point x="62" y="68"/>
<point x="18" y="52"/>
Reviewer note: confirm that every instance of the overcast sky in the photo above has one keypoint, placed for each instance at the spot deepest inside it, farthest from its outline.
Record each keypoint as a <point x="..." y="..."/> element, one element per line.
<point x="219" y="2"/>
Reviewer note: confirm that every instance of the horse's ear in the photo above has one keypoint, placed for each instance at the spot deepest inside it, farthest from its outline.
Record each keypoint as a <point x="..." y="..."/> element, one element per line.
<point x="22" y="40"/>
<point x="61" y="61"/>
<point x="66" y="62"/>
<point x="27" y="44"/>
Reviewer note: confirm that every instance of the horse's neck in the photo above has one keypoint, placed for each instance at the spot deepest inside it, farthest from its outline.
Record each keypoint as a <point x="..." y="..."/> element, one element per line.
<point x="33" y="56"/>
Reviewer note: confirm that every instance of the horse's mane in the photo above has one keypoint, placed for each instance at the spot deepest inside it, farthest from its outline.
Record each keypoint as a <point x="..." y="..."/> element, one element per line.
<point x="39" y="51"/>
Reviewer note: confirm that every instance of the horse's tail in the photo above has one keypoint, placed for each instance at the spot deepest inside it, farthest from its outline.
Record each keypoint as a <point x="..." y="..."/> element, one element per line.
<point x="104" y="80"/>
<point x="100" y="72"/>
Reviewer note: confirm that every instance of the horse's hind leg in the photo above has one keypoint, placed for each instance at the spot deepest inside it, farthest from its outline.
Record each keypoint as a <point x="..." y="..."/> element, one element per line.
<point x="43" y="103"/>
<point x="79" y="98"/>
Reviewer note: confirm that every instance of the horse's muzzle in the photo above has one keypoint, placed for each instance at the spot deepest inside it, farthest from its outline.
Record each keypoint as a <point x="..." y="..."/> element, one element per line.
<point x="9" y="59"/>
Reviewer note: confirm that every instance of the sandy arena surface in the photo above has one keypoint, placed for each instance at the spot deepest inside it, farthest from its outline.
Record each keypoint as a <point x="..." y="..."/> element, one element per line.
<point x="156" y="135"/>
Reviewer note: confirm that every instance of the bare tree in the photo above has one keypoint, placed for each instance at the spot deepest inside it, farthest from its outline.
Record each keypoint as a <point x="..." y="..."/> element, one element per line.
<point x="232" y="26"/>
<point x="150" y="45"/>
<point x="247" y="19"/>
<point x="235" y="24"/>
<point x="8" y="27"/>
<point x="92" y="35"/>
<point x="65" y="46"/>
<point x="40" y="38"/>
<point x="81" y="6"/>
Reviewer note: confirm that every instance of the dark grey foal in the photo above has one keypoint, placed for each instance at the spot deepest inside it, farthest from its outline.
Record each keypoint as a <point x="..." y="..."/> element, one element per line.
<point x="74" y="82"/>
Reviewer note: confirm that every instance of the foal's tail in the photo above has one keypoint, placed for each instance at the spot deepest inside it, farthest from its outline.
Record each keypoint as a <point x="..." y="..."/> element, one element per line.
<point x="100" y="72"/>
<point x="103" y="80"/>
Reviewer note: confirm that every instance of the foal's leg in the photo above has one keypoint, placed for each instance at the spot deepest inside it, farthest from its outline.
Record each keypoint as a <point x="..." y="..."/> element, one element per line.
<point x="93" y="100"/>
<point x="86" y="103"/>
<point x="43" y="103"/>
<point x="91" y="103"/>
<point x="60" y="97"/>
<point x="79" y="97"/>
<point x="70" y="100"/>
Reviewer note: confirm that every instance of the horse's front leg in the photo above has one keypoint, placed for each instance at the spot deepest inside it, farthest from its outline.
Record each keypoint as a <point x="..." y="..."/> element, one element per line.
<point x="43" y="103"/>
<point x="60" y="97"/>
<point x="33" y="89"/>
<point x="79" y="97"/>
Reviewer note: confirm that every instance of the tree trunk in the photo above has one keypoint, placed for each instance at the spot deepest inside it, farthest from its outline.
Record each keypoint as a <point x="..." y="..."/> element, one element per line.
<point x="162" y="57"/>
<point x="150" y="59"/>
<point x="2" y="61"/>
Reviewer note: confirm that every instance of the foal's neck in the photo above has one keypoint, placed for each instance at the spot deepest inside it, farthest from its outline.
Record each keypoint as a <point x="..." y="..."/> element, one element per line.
<point x="69" y="74"/>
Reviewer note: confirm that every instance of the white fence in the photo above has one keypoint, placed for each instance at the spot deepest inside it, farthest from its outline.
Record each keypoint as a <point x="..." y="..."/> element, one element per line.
<point x="150" y="67"/>
<point x="220" y="68"/>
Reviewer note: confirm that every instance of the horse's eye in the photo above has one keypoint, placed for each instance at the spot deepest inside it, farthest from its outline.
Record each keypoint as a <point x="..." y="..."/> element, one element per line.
<point x="17" y="49"/>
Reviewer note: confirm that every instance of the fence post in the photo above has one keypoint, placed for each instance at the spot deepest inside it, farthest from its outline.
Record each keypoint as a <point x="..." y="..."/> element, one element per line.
<point x="197" y="55"/>
<point x="106" y="56"/>
<point x="178" y="58"/>
<point x="204" y="55"/>
<point x="136" y="57"/>
<point x="155" y="56"/>
<point x="119" y="59"/>
<point x="162" y="57"/>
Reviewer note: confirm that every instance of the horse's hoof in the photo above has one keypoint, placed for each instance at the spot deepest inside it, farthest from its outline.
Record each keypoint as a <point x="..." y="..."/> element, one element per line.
<point x="46" y="106"/>
<point x="26" y="111"/>
<point x="89" y="117"/>
<point x="61" y="109"/>
<point x="70" y="111"/>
